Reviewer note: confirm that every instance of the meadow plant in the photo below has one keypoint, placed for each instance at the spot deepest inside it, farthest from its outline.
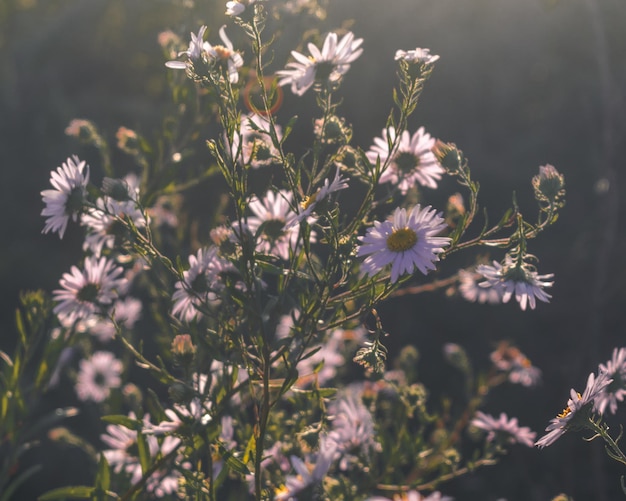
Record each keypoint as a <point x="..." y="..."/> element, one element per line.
<point x="237" y="353"/>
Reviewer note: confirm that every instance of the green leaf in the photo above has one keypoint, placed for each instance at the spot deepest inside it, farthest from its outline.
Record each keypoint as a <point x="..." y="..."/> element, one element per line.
<point x="74" y="492"/>
<point x="144" y="452"/>
<point x="6" y="495"/>
<point x="103" y="479"/>
<point x="289" y="127"/>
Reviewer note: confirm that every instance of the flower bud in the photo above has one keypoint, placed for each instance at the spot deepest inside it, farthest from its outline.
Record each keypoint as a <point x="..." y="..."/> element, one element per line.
<point x="549" y="184"/>
<point x="183" y="349"/>
<point x="448" y="155"/>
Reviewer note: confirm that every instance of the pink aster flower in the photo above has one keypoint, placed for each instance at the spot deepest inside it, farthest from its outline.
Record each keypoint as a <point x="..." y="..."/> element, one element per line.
<point x="521" y="280"/>
<point x="410" y="162"/>
<point x="405" y="241"/>
<point x="66" y="200"/>
<point x="85" y="292"/>
<point x="98" y="375"/>
<point x="616" y="390"/>
<point x="327" y="65"/>
<point x="503" y="428"/>
<point x="577" y="411"/>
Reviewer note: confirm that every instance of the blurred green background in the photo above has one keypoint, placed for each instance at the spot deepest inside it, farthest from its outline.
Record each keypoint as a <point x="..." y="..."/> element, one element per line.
<point x="519" y="84"/>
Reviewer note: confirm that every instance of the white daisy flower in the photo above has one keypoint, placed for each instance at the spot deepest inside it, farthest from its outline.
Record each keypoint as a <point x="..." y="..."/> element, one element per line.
<point x="85" y="292"/>
<point x="327" y="65"/>
<point x="274" y="224"/>
<point x="257" y="148"/>
<point x="411" y="162"/>
<point x="521" y="280"/>
<point x="577" y="403"/>
<point x="417" y="55"/>
<point x="616" y="390"/>
<point x="503" y="428"/>
<point x="405" y="241"/>
<point x="66" y="200"/>
<point x="97" y="375"/>
<point x="472" y="291"/>
<point x="196" y="46"/>
<point x="226" y="54"/>
<point x="200" y="284"/>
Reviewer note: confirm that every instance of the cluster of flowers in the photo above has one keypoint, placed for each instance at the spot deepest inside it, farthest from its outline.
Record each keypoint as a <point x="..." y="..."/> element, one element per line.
<point x="264" y="318"/>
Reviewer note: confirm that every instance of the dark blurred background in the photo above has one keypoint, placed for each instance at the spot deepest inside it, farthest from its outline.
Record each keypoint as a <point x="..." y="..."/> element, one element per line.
<point x="519" y="84"/>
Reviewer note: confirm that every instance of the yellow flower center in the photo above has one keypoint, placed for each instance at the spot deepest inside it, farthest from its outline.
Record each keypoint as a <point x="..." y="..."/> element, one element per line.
<point x="306" y="203"/>
<point x="222" y="52"/>
<point x="401" y="240"/>
<point x="567" y="410"/>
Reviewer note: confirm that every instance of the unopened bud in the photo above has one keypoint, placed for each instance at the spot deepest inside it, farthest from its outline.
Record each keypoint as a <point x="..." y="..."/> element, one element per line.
<point x="183" y="349"/>
<point x="549" y="184"/>
<point x="448" y="155"/>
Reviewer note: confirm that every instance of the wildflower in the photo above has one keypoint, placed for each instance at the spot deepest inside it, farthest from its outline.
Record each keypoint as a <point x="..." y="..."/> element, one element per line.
<point x="405" y="240"/>
<point x="577" y="410"/>
<point x="274" y="224"/>
<point x="307" y="474"/>
<point x="616" y="390"/>
<point x="520" y="370"/>
<point x="412" y="160"/>
<point x="237" y="7"/>
<point x="352" y="429"/>
<point x="66" y="200"/>
<point x="200" y="284"/>
<point x="417" y="55"/>
<point x="257" y="147"/>
<point x="472" y="291"/>
<point x="549" y="184"/>
<point x="327" y="65"/>
<point x="122" y="442"/>
<point x="504" y="429"/>
<point x="214" y="54"/>
<point x="308" y="204"/>
<point x="516" y="277"/>
<point x="85" y="292"/>
<point x="196" y="46"/>
<point x="97" y="376"/>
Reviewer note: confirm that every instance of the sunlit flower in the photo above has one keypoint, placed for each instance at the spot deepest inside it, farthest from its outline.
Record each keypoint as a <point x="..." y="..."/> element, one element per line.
<point x="196" y="46"/>
<point x="237" y="7"/>
<point x="123" y="442"/>
<point x="257" y="147"/>
<point x="200" y="284"/>
<point x="616" y="390"/>
<point x="417" y="55"/>
<point x="66" y="200"/>
<point x="504" y="429"/>
<point x="214" y="54"/>
<point x="577" y="410"/>
<point x="520" y="370"/>
<point x="549" y="184"/>
<point x="327" y="65"/>
<point x="405" y="241"/>
<point x="411" y="161"/>
<point x="85" y="292"/>
<point x="517" y="279"/>
<point x="97" y="375"/>
<point x="472" y="291"/>
<point x="308" y="204"/>
<point x="352" y="429"/>
<point x="307" y="474"/>
<point x="274" y="224"/>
